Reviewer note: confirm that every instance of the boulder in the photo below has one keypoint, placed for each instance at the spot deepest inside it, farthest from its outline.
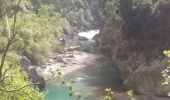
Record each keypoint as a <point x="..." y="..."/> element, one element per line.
<point x="95" y="37"/>
<point x="59" y="58"/>
<point x="25" y="64"/>
<point x="72" y="48"/>
<point x="36" y="79"/>
<point x="63" y="65"/>
<point x="83" y="38"/>
<point x="69" y="55"/>
<point x="32" y="73"/>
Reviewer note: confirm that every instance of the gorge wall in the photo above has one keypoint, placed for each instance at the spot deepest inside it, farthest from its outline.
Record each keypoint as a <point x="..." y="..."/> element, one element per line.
<point x="41" y="24"/>
<point x="81" y="14"/>
<point x="134" y="33"/>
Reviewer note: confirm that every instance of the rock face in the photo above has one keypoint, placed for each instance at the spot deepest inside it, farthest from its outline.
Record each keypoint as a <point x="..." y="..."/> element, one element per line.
<point x="135" y="38"/>
<point x="32" y="73"/>
<point x="82" y="38"/>
<point x="59" y="58"/>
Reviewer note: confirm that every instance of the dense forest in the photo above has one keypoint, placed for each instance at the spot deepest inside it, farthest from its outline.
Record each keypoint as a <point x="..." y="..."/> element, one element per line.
<point x="32" y="28"/>
<point x="132" y="36"/>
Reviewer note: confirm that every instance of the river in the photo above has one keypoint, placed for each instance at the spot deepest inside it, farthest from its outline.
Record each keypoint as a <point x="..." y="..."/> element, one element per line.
<point x="92" y="78"/>
<point x="91" y="81"/>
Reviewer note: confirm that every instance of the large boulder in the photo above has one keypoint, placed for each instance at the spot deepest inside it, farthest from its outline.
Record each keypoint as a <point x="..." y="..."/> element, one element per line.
<point x="59" y="58"/>
<point x="82" y="38"/>
<point x="36" y="79"/>
<point x="32" y="73"/>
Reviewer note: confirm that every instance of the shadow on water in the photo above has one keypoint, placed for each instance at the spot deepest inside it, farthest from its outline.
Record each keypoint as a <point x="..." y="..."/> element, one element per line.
<point x="91" y="81"/>
<point x="94" y="80"/>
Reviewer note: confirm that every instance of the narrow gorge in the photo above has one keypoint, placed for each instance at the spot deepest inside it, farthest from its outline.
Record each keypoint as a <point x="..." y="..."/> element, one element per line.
<point x="84" y="49"/>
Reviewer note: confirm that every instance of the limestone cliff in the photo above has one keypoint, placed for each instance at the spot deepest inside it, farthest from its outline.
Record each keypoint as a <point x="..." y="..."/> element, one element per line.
<point x="134" y="33"/>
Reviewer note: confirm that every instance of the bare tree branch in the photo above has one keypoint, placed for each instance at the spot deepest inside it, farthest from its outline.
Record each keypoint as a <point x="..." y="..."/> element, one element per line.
<point x="8" y="44"/>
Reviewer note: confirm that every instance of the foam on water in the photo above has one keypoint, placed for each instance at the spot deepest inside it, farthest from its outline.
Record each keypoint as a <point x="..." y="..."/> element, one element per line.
<point x="89" y="34"/>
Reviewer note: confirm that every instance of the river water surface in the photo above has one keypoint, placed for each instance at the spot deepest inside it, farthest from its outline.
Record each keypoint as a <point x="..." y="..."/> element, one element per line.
<point x="91" y="81"/>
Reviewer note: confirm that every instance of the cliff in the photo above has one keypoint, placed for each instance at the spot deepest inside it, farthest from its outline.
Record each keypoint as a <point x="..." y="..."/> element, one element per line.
<point x="135" y="33"/>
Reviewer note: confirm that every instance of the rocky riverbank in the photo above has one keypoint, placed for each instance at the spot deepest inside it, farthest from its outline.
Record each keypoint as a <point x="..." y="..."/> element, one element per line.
<point x="74" y="57"/>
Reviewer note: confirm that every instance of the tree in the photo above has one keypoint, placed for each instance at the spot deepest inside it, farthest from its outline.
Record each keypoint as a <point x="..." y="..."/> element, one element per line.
<point x="14" y="84"/>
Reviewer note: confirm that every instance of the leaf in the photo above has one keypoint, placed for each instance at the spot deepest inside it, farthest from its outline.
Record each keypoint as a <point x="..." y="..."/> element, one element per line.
<point x="71" y="94"/>
<point x="73" y="81"/>
<point x="63" y="82"/>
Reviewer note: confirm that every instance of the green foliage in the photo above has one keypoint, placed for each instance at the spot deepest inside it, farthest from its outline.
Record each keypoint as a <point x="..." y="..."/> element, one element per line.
<point x="15" y="85"/>
<point x="131" y="95"/>
<point x="3" y="42"/>
<point x="68" y="84"/>
<point x="78" y="12"/>
<point x="111" y="13"/>
<point x="38" y="33"/>
<point x="38" y="28"/>
<point x="166" y="71"/>
<point x="109" y="94"/>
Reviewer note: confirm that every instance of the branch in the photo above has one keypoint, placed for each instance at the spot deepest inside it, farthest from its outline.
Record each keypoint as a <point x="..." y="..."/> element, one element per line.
<point x="9" y="9"/>
<point x="4" y="74"/>
<point x="15" y="90"/>
<point x="8" y="44"/>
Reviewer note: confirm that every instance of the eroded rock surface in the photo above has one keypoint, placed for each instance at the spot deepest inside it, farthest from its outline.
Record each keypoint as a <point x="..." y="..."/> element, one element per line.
<point x="135" y="38"/>
<point x="32" y="73"/>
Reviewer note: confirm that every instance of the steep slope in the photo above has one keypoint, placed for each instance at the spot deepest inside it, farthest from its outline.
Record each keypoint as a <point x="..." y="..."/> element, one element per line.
<point x="40" y="24"/>
<point x="82" y="14"/>
<point x="135" y="33"/>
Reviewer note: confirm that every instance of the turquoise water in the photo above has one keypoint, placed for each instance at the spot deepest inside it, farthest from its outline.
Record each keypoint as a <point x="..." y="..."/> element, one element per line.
<point x="57" y="92"/>
<point x="90" y="82"/>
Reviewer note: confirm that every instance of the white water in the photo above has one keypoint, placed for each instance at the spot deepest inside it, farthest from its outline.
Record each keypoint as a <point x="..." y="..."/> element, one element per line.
<point x="89" y="34"/>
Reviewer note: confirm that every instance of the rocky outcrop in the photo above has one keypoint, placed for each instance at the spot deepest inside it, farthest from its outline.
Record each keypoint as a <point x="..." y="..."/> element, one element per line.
<point x="82" y="38"/>
<point x="135" y="34"/>
<point x="32" y="73"/>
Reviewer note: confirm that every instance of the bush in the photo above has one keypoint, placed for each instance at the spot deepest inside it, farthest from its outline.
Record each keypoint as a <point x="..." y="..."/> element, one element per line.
<point x="38" y="33"/>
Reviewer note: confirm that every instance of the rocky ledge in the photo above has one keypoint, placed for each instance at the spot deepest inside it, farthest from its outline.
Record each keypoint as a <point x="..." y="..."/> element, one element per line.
<point x="33" y="76"/>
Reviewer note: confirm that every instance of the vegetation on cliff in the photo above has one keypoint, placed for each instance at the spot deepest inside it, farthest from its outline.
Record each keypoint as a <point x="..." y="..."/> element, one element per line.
<point x="32" y="28"/>
<point x="135" y="33"/>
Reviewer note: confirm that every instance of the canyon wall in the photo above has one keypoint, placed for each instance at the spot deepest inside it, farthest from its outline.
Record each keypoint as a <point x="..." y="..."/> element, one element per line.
<point x="134" y="33"/>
